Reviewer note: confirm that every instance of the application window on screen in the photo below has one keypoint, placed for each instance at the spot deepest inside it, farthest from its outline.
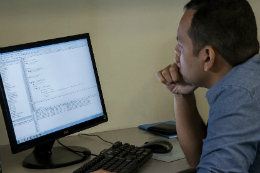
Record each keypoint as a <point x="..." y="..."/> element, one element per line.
<point x="53" y="96"/>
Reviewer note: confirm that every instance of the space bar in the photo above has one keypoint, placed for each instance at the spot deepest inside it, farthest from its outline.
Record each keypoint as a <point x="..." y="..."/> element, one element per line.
<point x="129" y="169"/>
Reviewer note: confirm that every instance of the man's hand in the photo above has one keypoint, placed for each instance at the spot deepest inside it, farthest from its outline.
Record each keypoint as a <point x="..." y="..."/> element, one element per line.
<point x="173" y="81"/>
<point x="102" y="171"/>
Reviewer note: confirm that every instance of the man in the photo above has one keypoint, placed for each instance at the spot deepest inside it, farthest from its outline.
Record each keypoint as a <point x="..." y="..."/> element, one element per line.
<point x="217" y="49"/>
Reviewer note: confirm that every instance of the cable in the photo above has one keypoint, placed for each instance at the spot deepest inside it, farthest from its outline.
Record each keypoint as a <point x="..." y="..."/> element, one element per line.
<point x="85" y="152"/>
<point x="96" y="136"/>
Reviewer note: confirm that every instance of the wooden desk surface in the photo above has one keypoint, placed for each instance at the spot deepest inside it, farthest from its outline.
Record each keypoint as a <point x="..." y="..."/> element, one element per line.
<point x="12" y="163"/>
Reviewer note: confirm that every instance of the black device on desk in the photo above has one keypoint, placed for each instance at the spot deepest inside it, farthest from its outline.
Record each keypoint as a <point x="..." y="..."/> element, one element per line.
<point x="49" y="89"/>
<point x="120" y="158"/>
<point x="158" y="146"/>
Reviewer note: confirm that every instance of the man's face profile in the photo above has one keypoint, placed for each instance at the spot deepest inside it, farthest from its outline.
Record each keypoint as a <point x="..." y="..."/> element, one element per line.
<point x="189" y="66"/>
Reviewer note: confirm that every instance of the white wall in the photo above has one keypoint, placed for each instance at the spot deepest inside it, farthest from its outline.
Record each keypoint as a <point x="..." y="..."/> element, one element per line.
<point x="131" y="39"/>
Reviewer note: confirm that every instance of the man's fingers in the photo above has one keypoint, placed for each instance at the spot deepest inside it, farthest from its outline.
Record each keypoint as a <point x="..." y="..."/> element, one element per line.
<point x="174" y="71"/>
<point x="160" y="77"/>
<point x="168" y="75"/>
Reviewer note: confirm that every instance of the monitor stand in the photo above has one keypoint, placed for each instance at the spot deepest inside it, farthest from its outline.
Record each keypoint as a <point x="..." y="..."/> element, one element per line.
<point x="46" y="157"/>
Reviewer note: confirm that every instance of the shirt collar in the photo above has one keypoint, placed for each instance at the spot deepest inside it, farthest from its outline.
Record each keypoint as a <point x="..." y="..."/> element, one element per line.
<point x="210" y="94"/>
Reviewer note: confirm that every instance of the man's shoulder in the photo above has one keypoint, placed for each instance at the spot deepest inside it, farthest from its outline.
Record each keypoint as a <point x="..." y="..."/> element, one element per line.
<point x="242" y="80"/>
<point x="246" y="76"/>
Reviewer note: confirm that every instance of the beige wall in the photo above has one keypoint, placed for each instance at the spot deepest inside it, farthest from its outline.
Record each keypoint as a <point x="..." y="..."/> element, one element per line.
<point x="132" y="40"/>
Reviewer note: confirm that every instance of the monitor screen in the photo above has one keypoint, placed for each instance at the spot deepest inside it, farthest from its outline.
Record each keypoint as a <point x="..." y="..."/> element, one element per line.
<point x="49" y="89"/>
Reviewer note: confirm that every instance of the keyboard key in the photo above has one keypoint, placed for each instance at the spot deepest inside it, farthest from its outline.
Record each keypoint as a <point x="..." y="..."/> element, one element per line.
<point x="120" y="158"/>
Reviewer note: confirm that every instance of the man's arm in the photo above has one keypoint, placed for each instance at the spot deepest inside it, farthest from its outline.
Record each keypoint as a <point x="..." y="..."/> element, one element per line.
<point x="190" y="127"/>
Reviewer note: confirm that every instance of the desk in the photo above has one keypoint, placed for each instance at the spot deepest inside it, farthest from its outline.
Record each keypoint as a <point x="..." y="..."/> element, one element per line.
<point x="12" y="163"/>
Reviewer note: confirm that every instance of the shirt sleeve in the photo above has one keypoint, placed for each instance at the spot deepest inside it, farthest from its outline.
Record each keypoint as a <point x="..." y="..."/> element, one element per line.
<point x="233" y="132"/>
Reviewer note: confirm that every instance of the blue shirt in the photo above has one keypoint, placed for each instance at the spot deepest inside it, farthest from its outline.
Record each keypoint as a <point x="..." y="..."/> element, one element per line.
<point x="233" y="133"/>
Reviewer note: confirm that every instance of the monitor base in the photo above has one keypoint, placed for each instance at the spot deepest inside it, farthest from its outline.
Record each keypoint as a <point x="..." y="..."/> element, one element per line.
<point x="56" y="158"/>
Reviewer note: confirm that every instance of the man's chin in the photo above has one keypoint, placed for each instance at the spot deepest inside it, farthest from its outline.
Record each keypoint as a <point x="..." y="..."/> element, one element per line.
<point x="188" y="82"/>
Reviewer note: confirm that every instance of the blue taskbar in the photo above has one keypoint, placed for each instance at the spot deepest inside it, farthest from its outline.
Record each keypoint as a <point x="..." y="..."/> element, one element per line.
<point x="57" y="129"/>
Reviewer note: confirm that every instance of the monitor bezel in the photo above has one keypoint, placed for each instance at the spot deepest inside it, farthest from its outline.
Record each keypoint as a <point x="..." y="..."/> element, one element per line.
<point x="61" y="133"/>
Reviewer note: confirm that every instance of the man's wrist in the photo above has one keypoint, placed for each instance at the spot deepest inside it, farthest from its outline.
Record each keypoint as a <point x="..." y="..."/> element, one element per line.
<point x="190" y="95"/>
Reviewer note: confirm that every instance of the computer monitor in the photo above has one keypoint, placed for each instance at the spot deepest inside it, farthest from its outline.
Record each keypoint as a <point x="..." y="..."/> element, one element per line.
<point x="49" y="89"/>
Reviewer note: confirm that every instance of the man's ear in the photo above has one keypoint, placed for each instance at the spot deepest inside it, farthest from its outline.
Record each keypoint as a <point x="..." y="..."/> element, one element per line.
<point x="208" y="57"/>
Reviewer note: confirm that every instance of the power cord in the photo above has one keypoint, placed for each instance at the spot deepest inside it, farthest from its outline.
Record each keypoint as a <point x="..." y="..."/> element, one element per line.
<point x="96" y="136"/>
<point x="85" y="152"/>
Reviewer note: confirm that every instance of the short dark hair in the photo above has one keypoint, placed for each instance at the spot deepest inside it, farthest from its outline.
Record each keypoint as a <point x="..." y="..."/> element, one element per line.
<point x="229" y="26"/>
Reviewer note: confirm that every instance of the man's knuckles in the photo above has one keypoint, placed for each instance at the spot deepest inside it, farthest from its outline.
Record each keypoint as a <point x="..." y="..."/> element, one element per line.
<point x="160" y="77"/>
<point x="174" y="73"/>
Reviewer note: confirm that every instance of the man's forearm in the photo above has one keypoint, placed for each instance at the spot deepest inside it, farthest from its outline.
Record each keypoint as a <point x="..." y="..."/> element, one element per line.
<point x="190" y="127"/>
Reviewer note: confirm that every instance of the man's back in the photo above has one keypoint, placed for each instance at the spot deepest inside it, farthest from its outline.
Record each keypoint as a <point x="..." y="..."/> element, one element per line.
<point x="232" y="143"/>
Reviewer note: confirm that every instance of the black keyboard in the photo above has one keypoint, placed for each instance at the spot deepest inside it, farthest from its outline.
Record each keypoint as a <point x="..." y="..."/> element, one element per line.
<point x="120" y="158"/>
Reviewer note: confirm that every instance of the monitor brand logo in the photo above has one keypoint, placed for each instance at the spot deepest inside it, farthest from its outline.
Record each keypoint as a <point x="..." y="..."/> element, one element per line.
<point x="66" y="132"/>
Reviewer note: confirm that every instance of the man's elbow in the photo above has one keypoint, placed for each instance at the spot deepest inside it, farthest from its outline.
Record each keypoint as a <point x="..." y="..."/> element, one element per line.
<point x="193" y="162"/>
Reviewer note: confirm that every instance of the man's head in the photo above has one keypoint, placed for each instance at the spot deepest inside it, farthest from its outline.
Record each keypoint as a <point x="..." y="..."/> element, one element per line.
<point x="228" y="26"/>
<point x="213" y="37"/>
